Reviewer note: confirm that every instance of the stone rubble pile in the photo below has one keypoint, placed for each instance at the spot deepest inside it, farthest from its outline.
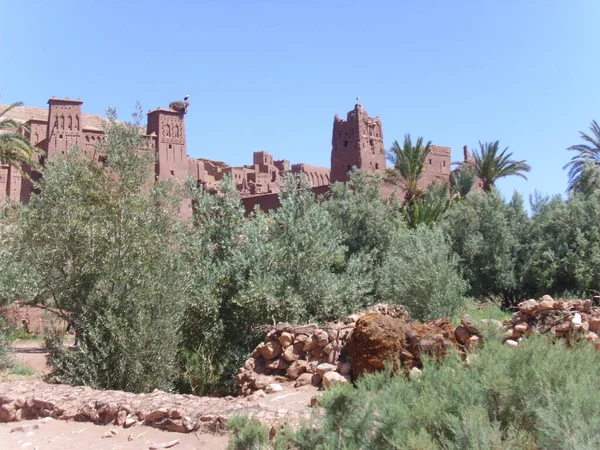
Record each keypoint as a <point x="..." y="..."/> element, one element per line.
<point x="338" y="352"/>
<point x="571" y="320"/>
<point x="307" y="355"/>
<point x="20" y="400"/>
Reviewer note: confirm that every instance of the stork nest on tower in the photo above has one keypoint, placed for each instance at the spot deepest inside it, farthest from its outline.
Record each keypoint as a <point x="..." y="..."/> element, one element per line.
<point x="179" y="106"/>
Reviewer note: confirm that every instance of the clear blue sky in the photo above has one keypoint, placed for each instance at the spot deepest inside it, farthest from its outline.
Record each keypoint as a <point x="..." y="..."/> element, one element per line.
<point x="270" y="75"/>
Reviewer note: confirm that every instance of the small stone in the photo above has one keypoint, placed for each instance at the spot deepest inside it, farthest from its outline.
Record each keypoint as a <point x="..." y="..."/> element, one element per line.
<point x="296" y="369"/>
<point x="130" y="437"/>
<point x="415" y="373"/>
<point x="157" y="414"/>
<point x="333" y="357"/>
<point x="594" y="324"/>
<point x="467" y="322"/>
<point x="546" y="298"/>
<point x="512" y="334"/>
<point x="308" y="378"/>
<point x="301" y="338"/>
<point x="278" y="364"/>
<point x="528" y="306"/>
<point x="511" y="343"/>
<point x="593" y="338"/>
<point x="345" y="368"/>
<point x="322" y="369"/>
<point x="110" y="433"/>
<point x="322" y="338"/>
<point x="311" y="344"/>
<point x="472" y="343"/>
<point x="314" y="401"/>
<point x="273" y="387"/>
<point x="576" y="320"/>
<point x="129" y="422"/>
<point x="293" y="352"/>
<point x="311" y="367"/>
<point x="330" y="378"/>
<point x="286" y="339"/>
<point x="521" y="327"/>
<point x="546" y="305"/>
<point x="271" y="350"/>
<point x="462" y="335"/>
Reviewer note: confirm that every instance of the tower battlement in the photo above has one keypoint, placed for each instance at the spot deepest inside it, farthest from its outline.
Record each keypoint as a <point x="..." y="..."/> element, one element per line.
<point x="356" y="142"/>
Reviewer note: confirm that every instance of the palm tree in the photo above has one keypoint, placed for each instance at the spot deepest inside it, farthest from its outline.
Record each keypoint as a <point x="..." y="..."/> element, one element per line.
<point x="15" y="148"/>
<point x="462" y="181"/>
<point x="490" y="164"/>
<point x="586" y="154"/>
<point x="409" y="163"/>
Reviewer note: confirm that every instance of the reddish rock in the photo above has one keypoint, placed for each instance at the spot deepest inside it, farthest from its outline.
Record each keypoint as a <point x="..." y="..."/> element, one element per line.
<point x="462" y="335"/>
<point x="318" y="353"/>
<point x="376" y="340"/>
<point x="293" y="352"/>
<point x="286" y="339"/>
<point x="331" y="378"/>
<point x="271" y="350"/>
<point x="296" y="369"/>
<point x="278" y="364"/>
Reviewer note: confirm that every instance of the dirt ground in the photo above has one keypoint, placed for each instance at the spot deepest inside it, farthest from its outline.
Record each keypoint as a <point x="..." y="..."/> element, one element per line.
<point x="31" y="354"/>
<point x="59" y="435"/>
<point x="52" y="434"/>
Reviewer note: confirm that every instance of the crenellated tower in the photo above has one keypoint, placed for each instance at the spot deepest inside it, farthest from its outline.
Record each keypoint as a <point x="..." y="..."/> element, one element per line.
<point x="169" y="127"/>
<point x="356" y="142"/>
<point x="64" y="126"/>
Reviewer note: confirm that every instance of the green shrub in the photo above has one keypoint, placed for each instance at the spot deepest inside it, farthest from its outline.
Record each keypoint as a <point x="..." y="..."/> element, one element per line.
<point x="421" y="273"/>
<point x="247" y="434"/>
<point x="541" y="395"/>
<point x="101" y="247"/>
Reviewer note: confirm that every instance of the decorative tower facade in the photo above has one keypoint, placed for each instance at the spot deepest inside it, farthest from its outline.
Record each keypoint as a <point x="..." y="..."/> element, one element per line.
<point x="64" y="126"/>
<point x="169" y="127"/>
<point x="356" y="142"/>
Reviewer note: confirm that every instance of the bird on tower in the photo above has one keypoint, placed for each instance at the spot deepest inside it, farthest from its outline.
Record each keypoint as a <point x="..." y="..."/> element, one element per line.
<point x="185" y="99"/>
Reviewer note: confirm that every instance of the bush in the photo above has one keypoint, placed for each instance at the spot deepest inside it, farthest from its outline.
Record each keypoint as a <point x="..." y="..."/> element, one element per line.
<point x="541" y="395"/>
<point x="421" y="273"/>
<point x="488" y="235"/>
<point x="101" y="246"/>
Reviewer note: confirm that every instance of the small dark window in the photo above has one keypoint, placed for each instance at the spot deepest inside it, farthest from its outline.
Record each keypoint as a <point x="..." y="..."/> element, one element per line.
<point x="170" y="146"/>
<point x="376" y="166"/>
<point x="349" y="167"/>
<point x="345" y="143"/>
<point x="444" y="163"/>
<point x="430" y="161"/>
<point x="60" y="136"/>
<point x="172" y="173"/>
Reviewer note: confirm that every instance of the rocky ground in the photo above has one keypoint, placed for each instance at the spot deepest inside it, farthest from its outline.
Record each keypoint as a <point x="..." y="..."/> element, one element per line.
<point x="84" y="417"/>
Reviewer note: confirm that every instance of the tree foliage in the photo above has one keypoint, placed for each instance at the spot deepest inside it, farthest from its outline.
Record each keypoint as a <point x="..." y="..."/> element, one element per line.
<point x="409" y="164"/>
<point x="101" y="247"/>
<point x="15" y="147"/>
<point x="490" y="164"/>
<point x="586" y="154"/>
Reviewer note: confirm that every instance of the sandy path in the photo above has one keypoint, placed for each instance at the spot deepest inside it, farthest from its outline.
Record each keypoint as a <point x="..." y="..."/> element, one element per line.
<point x="63" y="435"/>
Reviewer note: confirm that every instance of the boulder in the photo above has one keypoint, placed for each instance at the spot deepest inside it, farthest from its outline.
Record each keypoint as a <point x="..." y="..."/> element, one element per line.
<point x="293" y="352"/>
<point x="296" y="369"/>
<point x="377" y="339"/>
<point x="286" y="339"/>
<point x="330" y="378"/>
<point x="271" y="350"/>
<point x="462" y="335"/>
<point x="308" y="378"/>
<point x="273" y="387"/>
<point x="322" y="369"/>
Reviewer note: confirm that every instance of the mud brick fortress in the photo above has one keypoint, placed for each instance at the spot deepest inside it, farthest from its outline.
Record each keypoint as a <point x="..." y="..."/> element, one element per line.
<point x="357" y="142"/>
